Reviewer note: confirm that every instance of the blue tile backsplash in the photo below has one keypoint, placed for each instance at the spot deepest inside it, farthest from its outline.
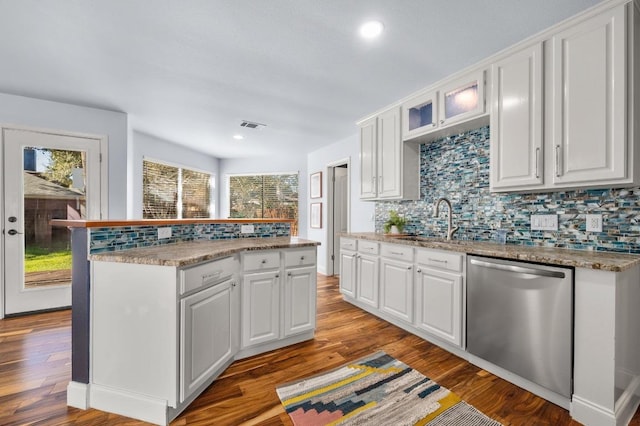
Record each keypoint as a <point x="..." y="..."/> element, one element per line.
<point x="457" y="167"/>
<point x="128" y="237"/>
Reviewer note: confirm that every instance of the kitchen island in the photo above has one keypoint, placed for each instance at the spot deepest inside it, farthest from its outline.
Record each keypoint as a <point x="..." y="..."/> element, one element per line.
<point x="420" y="284"/>
<point x="164" y="318"/>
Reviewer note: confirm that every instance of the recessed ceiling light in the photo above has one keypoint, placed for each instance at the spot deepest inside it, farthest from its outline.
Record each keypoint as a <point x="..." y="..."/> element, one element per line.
<point x="238" y="137"/>
<point x="371" y="29"/>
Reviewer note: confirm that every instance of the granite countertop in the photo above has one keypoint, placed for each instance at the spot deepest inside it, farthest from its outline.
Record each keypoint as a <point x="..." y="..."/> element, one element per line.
<point x="606" y="261"/>
<point x="190" y="253"/>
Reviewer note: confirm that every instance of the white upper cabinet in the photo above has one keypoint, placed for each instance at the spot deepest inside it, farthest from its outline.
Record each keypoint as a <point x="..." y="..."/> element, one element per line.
<point x="452" y="103"/>
<point x="462" y="99"/>
<point x="583" y="133"/>
<point x="419" y="115"/>
<point x="388" y="167"/>
<point x="590" y="100"/>
<point x="517" y="120"/>
<point x="368" y="159"/>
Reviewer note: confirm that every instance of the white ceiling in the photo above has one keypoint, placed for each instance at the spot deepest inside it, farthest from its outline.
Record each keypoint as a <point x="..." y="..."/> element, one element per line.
<point x="190" y="70"/>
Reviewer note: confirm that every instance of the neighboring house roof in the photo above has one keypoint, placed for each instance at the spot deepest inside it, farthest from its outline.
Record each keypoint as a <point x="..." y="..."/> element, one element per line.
<point x="37" y="187"/>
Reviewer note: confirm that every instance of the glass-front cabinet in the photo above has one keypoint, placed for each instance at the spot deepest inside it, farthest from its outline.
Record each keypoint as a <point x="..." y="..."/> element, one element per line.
<point x="457" y="101"/>
<point x="420" y="115"/>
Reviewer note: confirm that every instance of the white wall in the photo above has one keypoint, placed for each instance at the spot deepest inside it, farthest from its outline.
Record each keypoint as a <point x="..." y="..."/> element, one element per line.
<point x="145" y="146"/>
<point x="360" y="218"/>
<point x="280" y="163"/>
<point x="37" y="113"/>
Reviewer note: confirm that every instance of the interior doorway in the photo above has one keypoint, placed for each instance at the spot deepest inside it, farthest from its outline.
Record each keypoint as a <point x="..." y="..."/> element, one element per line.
<point x="338" y="211"/>
<point x="46" y="176"/>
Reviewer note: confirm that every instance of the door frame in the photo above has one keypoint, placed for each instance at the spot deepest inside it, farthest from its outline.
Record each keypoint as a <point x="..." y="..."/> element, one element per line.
<point x="330" y="205"/>
<point x="104" y="184"/>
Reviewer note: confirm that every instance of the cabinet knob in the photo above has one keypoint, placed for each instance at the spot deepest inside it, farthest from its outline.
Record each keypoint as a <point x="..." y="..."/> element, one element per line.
<point x="408" y="268"/>
<point x="419" y="270"/>
<point x="233" y="284"/>
<point x="441" y="121"/>
<point x="289" y="273"/>
<point x="301" y="257"/>
<point x="264" y="261"/>
<point x="277" y="275"/>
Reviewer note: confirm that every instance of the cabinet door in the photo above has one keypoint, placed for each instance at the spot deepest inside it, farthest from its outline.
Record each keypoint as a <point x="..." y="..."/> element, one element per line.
<point x="368" y="159"/>
<point x="260" y="308"/>
<point x="389" y="154"/>
<point x="299" y="300"/>
<point x="462" y="99"/>
<point x="419" y="115"/>
<point x="590" y="89"/>
<point x="207" y="324"/>
<point x="516" y="120"/>
<point x="439" y="307"/>
<point x="396" y="284"/>
<point x="367" y="279"/>
<point x="348" y="273"/>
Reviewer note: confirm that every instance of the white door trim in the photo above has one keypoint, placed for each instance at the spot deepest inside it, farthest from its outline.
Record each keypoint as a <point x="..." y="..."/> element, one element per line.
<point x="104" y="184"/>
<point x="330" y="204"/>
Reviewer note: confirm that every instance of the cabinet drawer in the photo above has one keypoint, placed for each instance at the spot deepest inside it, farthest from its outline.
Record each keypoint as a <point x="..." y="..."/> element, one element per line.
<point x="348" y="244"/>
<point x="206" y="274"/>
<point x="440" y="259"/>
<point x="397" y="251"/>
<point x="261" y="260"/>
<point x="304" y="257"/>
<point x="368" y="247"/>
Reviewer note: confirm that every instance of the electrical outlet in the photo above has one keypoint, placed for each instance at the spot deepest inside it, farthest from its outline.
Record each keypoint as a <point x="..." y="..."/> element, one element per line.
<point x="247" y="229"/>
<point x="544" y="222"/>
<point x="164" y="233"/>
<point x="594" y="222"/>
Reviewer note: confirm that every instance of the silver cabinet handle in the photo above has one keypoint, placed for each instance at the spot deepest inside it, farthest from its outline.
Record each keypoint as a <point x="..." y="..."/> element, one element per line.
<point x="206" y="277"/>
<point x="557" y="160"/>
<point x="397" y="253"/>
<point x="437" y="260"/>
<point x="537" y="160"/>
<point x="441" y="121"/>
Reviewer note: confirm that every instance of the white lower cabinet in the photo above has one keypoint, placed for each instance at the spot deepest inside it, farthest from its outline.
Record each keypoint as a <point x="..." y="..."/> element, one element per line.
<point x="396" y="281"/>
<point x="280" y="301"/>
<point x="208" y="330"/>
<point x="439" y="304"/>
<point x="439" y="290"/>
<point x="299" y="300"/>
<point x="161" y="334"/>
<point x="367" y="279"/>
<point x="420" y="290"/>
<point x="260" y="308"/>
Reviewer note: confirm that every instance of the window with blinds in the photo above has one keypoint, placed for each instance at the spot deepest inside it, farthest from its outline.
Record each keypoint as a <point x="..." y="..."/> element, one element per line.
<point x="171" y="192"/>
<point x="264" y="196"/>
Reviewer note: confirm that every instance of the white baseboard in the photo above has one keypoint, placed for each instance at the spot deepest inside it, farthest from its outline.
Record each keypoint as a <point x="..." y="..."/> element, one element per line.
<point x="78" y="395"/>
<point x="129" y="404"/>
<point x="588" y="413"/>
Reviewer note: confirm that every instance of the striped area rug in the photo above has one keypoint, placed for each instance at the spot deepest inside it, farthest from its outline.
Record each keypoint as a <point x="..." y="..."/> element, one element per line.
<point x="376" y="390"/>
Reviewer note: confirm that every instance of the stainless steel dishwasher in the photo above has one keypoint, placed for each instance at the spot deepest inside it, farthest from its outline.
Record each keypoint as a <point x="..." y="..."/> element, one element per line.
<point x="519" y="317"/>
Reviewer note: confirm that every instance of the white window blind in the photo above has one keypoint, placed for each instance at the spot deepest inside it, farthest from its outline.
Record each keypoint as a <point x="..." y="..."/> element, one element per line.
<point x="264" y="197"/>
<point x="171" y="192"/>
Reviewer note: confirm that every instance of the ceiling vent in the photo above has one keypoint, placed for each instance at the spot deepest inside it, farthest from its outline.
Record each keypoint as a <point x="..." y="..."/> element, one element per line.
<point x="252" y="125"/>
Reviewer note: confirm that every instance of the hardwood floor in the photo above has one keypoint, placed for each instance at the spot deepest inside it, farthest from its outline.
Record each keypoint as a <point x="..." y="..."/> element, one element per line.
<point x="35" y="370"/>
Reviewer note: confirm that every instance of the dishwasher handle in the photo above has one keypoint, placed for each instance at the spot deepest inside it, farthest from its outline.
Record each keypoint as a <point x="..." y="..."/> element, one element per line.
<point x="517" y="269"/>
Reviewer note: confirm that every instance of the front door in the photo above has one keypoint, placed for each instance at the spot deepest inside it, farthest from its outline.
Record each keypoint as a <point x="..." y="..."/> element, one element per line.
<point x="46" y="176"/>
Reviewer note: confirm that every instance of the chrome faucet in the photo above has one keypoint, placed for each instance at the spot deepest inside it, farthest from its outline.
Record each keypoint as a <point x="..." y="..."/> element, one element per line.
<point x="450" y="230"/>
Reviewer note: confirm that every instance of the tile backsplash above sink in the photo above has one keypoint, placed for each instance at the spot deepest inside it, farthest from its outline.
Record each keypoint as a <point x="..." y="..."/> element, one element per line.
<point x="457" y="167"/>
